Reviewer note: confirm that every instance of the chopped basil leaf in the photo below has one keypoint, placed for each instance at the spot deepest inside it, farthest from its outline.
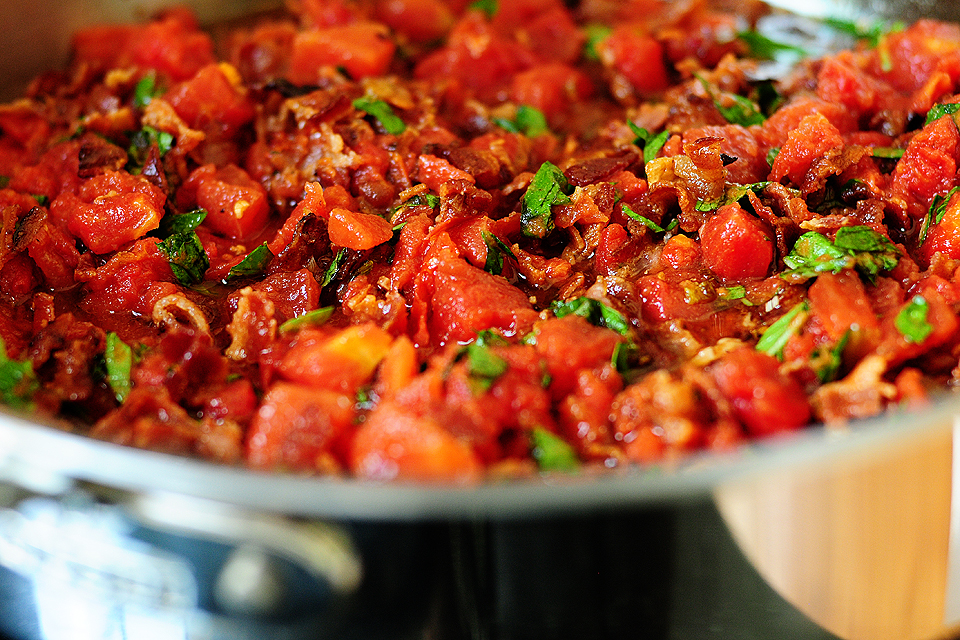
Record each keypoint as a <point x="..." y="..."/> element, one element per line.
<point x="912" y="323"/>
<point x="119" y="360"/>
<point x="253" y="263"/>
<point x="188" y="259"/>
<point x="827" y="363"/>
<point x="650" y="143"/>
<point x="940" y="110"/>
<point x="310" y="318"/>
<point x="489" y="338"/>
<point x="595" y="312"/>
<point x="496" y="249"/>
<point x="938" y="208"/>
<point x="384" y="114"/>
<point x="18" y="382"/>
<point x="857" y="247"/>
<point x="483" y="366"/>
<point x="772" y="155"/>
<point x="144" y="139"/>
<point x="595" y="34"/>
<point x="891" y="153"/>
<point x="731" y="193"/>
<point x="775" y="338"/>
<point x="333" y="267"/>
<point x="625" y="358"/>
<point x="548" y="187"/>
<point x="489" y="7"/>
<point x="872" y="33"/>
<point x="182" y="223"/>
<point x="4" y="182"/>
<point x="552" y="452"/>
<point x="529" y="121"/>
<point x="647" y="222"/>
<point x="42" y="200"/>
<point x="736" y="292"/>
<point x="145" y="91"/>
<point x="743" y="111"/>
<point x="760" y="46"/>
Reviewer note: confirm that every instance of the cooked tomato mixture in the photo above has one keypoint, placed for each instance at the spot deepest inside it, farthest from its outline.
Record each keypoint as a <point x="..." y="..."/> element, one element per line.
<point x="456" y="241"/>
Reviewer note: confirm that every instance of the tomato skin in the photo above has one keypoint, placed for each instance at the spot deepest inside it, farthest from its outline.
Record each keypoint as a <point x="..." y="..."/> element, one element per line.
<point x="130" y="281"/>
<point x="236" y="205"/>
<point x="55" y="253"/>
<point x="363" y="49"/>
<point x="396" y="444"/>
<point x="766" y="401"/>
<point x="296" y="426"/>
<point x="736" y="246"/>
<point x="357" y="230"/>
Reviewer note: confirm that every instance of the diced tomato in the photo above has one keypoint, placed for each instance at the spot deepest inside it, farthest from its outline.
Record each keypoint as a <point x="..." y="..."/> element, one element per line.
<point x="839" y="308"/>
<point x="928" y="166"/>
<point x="680" y="252"/>
<point x="115" y="209"/>
<point x="17" y="278"/>
<point x="906" y="59"/>
<point x="571" y="344"/>
<point x="407" y="255"/>
<point x="236" y="205"/>
<point x="737" y="142"/>
<point x="638" y="56"/>
<point x="551" y="88"/>
<point x="363" y="49"/>
<point x="293" y="293"/>
<point x="616" y="249"/>
<point x="395" y="444"/>
<point x="357" y="230"/>
<point x="122" y="285"/>
<point x="434" y="171"/>
<point x="342" y="361"/>
<point x="213" y="99"/>
<point x="840" y="82"/>
<point x="813" y="138"/>
<point x="776" y="129"/>
<point x="235" y="401"/>
<point x="467" y="300"/>
<point x="766" y="401"/>
<point x="419" y="20"/>
<point x="552" y="34"/>
<point x="736" y="246"/>
<point x="56" y="254"/>
<point x="297" y="427"/>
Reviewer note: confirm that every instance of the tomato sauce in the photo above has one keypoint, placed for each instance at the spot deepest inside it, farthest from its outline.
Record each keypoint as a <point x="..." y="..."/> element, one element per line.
<point x="451" y="241"/>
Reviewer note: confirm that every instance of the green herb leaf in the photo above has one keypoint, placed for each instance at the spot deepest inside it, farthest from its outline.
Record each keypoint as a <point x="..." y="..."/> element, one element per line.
<point x="182" y="223"/>
<point x="144" y="139"/>
<point x="188" y="259"/>
<point x="18" y="382"/>
<point x="827" y="363"/>
<point x="496" y="249"/>
<point x="625" y="357"/>
<point x="772" y="155"/>
<point x="4" y="182"/>
<point x="552" y="452"/>
<point x="333" y="267"/>
<point x="735" y="292"/>
<point x="857" y="247"/>
<point x="649" y="142"/>
<point x="595" y="34"/>
<point x="889" y="153"/>
<point x="489" y="7"/>
<point x="483" y="366"/>
<point x="941" y="110"/>
<point x="595" y="312"/>
<point x="548" y="187"/>
<point x="384" y="114"/>
<point x="742" y="111"/>
<point x="313" y="318"/>
<point x="731" y="193"/>
<point x="764" y="48"/>
<point x="912" y="323"/>
<point x="529" y="121"/>
<point x="119" y="360"/>
<point x="145" y="91"/>
<point x="938" y="209"/>
<point x="648" y="223"/>
<point x="775" y="338"/>
<point x="253" y="264"/>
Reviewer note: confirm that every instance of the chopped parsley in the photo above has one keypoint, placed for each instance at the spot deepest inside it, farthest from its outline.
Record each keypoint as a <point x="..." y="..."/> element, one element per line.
<point x="529" y="121"/>
<point x="18" y="382"/>
<point x="938" y="209"/>
<point x="772" y="155"/>
<point x="594" y="311"/>
<point x="253" y="264"/>
<point x="188" y="259"/>
<point x="595" y="34"/>
<point x="872" y="33"/>
<point x="489" y="7"/>
<point x="333" y="267"/>
<point x="912" y="322"/>
<point x="938" y="111"/>
<point x="384" y="114"/>
<point x="548" y="187"/>
<point x="552" y="452"/>
<point x="649" y="142"/>
<point x="731" y="193"/>
<point x="316" y="317"/>
<point x="142" y="141"/>
<point x="119" y="361"/>
<point x="648" y="223"/>
<point x="889" y="153"/>
<point x="826" y="363"/>
<point x="857" y="247"/>
<point x="145" y="91"/>
<point x="775" y="338"/>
